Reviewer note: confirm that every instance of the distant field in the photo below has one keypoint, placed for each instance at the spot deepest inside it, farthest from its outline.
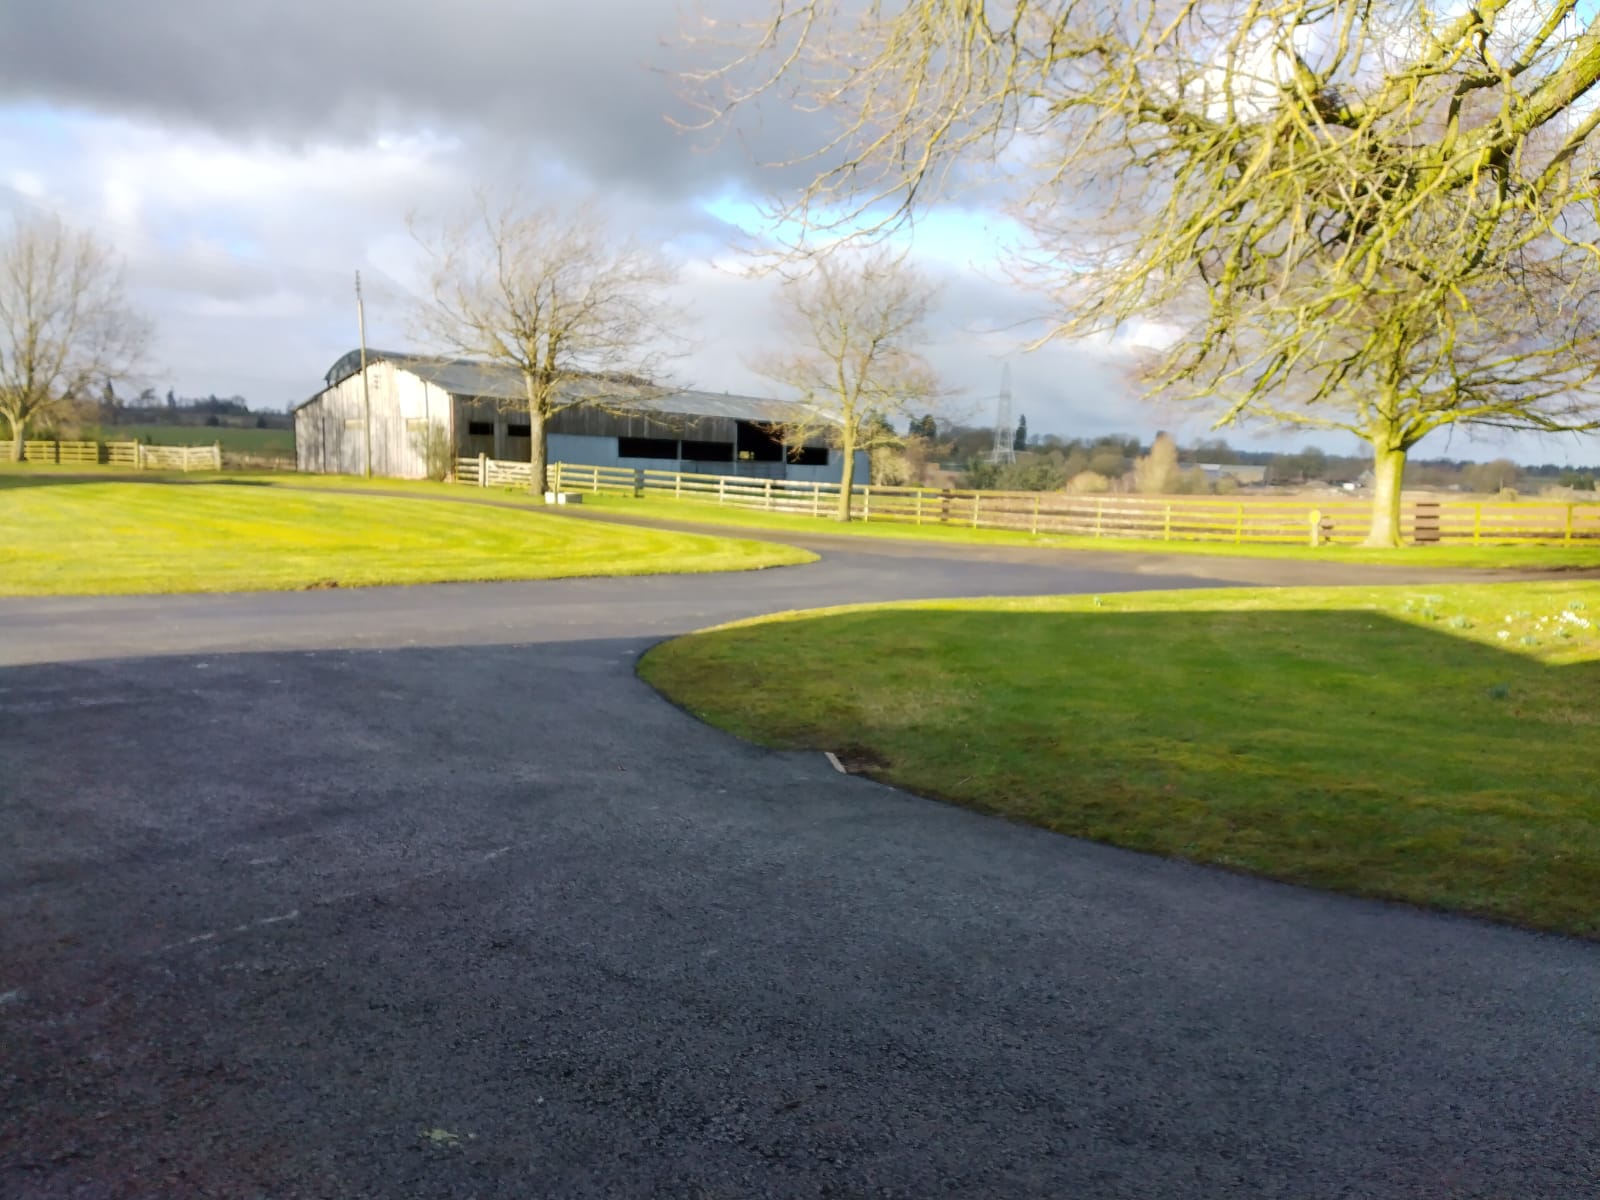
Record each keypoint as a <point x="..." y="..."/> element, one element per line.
<point x="62" y="536"/>
<point x="239" y="441"/>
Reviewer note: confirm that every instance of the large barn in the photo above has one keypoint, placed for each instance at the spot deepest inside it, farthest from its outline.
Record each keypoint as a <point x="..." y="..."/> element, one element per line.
<point x="471" y="408"/>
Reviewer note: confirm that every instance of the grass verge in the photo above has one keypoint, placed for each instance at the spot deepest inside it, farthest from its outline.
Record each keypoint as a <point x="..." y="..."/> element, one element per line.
<point x="59" y="537"/>
<point x="1433" y="745"/>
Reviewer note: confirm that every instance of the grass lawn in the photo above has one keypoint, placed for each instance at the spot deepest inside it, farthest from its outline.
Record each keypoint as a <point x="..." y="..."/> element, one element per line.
<point x="1555" y="555"/>
<point x="1433" y="745"/>
<point x="59" y="537"/>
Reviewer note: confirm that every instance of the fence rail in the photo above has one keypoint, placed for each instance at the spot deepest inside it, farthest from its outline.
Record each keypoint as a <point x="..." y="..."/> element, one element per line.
<point x="122" y="454"/>
<point x="180" y="458"/>
<point x="1240" y="521"/>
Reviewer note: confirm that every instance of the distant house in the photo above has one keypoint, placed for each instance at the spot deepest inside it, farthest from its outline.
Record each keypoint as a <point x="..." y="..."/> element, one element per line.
<point x="470" y="407"/>
<point x="1240" y="473"/>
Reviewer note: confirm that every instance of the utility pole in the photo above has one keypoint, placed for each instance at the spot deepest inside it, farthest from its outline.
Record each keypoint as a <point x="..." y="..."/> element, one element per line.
<point x="366" y="395"/>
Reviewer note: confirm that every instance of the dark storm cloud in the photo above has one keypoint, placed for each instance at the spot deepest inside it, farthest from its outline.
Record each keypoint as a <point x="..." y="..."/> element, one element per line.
<point x="588" y="84"/>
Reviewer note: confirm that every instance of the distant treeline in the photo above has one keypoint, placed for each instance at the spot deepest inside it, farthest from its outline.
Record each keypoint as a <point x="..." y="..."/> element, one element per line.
<point x="147" y="408"/>
<point x="1048" y="462"/>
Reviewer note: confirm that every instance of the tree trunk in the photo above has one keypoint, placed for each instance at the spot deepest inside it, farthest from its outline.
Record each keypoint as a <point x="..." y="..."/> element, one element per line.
<point x="538" y="451"/>
<point x="847" y="447"/>
<point x="16" y="439"/>
<point x="1388" y="468"/>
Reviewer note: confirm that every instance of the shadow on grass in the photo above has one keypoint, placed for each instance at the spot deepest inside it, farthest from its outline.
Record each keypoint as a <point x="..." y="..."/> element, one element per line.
<point x="1344" y="749"/>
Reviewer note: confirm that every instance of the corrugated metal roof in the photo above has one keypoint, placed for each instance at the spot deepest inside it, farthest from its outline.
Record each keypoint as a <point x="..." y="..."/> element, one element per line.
<point x="496" y="381"/>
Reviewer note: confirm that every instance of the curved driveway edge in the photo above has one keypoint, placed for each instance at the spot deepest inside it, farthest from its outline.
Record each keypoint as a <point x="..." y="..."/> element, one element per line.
<point x="420" y="892"/>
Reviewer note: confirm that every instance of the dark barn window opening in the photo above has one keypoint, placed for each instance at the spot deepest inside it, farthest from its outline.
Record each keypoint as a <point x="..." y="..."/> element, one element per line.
<point x="809" y="456"/>
<point x="708" y="451"/>
<point x="523" y="430"/>
<point x="643" y="447"/>
<point x="480" y="428"/>
<point x="755" y="444"/>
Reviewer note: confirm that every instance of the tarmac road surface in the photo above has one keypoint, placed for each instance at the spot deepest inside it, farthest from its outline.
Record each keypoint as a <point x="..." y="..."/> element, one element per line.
<point x="419" y="892"/>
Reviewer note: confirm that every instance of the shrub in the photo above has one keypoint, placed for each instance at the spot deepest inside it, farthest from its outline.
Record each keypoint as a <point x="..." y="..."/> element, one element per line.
<point x="1088" y="483"/>
<point x="432" y="444"/>
<point x="1158" y="473"/>
<point x="1033" y="473"/>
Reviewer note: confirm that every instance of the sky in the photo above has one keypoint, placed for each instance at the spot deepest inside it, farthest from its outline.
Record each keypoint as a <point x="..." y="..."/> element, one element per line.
<point x="245" y="160"/>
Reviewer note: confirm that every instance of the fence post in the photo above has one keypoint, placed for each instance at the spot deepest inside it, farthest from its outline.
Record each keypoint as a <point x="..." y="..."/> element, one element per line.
<point x="866" y="503"/>
<point x="767" y="497"/>
<point x="216" y="455"/>
<point x="722" y="488"/>
<point x="1166" y="524"/>
<point x="1099" y="514"/>
<point x="1316" y="527"/>
<point x="1477" y="522"/>
<point x="1036" y="498"/>
<point x="677" y="485"/>
<point x="483" y="470"/>
<point x="977" y="499"/>
<point x="638" y="482"/>
<point x="1568" y="536"/>
<point x="1238" y="528"/>
<point x="816" y="497"/>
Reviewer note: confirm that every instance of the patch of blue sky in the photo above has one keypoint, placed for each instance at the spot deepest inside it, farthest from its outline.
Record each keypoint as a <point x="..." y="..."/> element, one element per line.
<point x="950" y="235"/>
<point x="42" y="124"/>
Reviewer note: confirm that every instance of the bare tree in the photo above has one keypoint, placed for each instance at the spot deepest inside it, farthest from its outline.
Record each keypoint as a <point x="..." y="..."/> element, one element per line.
<point x="580" y="312"/>
<point x="1369" y="215"/>
<point x="853" y="322"/>
<point x="66" y="329"/>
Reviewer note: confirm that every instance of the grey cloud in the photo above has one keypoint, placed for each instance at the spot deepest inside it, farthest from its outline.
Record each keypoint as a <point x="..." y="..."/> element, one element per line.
<point x="581" y="82"/>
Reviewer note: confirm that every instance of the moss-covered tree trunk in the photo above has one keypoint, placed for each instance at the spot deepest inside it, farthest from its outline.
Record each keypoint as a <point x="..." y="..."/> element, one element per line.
<point x="538" y="450"/>
<point x="1388" y="470"/>
<point x="535" y="385"/>
<point x="847" y="447"/>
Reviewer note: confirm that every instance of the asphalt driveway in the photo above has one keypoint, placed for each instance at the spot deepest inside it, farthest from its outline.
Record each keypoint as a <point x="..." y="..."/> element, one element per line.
<point x="419" y="892"/>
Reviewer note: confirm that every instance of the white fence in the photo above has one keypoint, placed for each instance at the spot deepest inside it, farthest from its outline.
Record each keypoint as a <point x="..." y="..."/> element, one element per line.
<point x="179" y="458"/>
<point x="1264" y="519"/>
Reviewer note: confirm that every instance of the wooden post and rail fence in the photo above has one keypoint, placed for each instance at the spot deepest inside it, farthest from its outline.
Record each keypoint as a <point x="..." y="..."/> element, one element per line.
<point x="1236" y="520"/>
<point x="119" y="454"/>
